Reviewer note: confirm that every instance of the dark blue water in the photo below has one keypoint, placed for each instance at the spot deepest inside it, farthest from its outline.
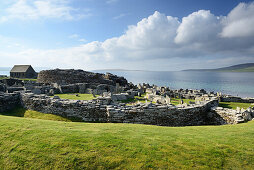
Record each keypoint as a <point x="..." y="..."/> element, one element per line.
<point x="241" y="84"/>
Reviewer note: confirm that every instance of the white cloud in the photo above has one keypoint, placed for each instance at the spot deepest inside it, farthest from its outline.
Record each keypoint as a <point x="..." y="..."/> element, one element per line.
<point x="157" y="39"/>
<point x="239" y="22"/>
<point x="120" y="16"/>
<point x="74" y="36"/>
<point x="82" y="40"/>
<point x="198" y="27"/>
<point x="32" y="10"/>
<point x="111" y="1"/>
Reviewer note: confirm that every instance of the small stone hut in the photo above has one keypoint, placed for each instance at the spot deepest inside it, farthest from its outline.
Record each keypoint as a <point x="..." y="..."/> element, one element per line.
<point x="23" y="71"/>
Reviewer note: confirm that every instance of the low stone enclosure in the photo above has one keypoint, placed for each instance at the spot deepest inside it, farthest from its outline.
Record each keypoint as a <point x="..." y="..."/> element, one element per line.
<point x="102" y="110"/>
<point x="157" y="110"/>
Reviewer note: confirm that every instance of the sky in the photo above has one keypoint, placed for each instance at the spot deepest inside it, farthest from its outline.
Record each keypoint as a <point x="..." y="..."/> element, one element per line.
<point x="161" y="35"/>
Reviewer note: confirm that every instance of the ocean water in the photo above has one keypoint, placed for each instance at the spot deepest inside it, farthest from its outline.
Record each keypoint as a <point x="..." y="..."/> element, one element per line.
<point x="233" y="83"/>
<point x="5" y="71"/>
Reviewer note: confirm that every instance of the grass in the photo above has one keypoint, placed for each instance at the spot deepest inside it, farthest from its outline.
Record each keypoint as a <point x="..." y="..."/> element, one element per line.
<point x="80" y="96"/>
<point x="41" y="144"/>
<point x="176" y="101"/>
<point x="248" y="69"/>
<point x="142" y="99"/>
<point x="234" y="105"/>
<point x="21" y="112"/>
<point x="25" y="79"/>
<point x="136" y="99"/>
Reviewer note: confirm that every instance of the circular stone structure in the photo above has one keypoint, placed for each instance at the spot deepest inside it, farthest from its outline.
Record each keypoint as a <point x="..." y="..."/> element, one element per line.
<point x="71" y="76"/>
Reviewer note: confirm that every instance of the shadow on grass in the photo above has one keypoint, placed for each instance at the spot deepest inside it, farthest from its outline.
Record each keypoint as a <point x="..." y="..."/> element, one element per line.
<point x="17" y="112"/>
<point x="133" y="100"/>
<point x="21" y="112"/>
<point x="225" y="105"/>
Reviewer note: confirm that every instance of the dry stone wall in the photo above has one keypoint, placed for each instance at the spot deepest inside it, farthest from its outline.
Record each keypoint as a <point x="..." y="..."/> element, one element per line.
<point x="9" y="101"/>
<point x="231" y="116"/>
<point x="100" y="110"/>
<point x="236" y="99"/>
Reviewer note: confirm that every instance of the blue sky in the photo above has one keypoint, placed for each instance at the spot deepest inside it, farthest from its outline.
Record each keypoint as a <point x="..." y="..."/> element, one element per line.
<point x="130" y="34"/>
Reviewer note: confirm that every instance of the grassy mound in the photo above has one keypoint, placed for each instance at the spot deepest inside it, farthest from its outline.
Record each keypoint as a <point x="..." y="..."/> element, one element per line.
<point x="33" y="143"/>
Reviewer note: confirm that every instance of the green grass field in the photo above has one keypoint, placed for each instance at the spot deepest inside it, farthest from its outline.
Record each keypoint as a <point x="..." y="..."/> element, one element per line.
<point x="73" y="96"/>
<point x="41" y="144"/>
<point x="234" y="105"/>
<point x="21" y="112"/>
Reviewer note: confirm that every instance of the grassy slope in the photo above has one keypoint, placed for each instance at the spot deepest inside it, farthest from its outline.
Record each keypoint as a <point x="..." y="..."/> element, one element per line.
<point x="31" y="143"/>
<point x="21" y="112"/>
<point x="74" y="97"/>
<point x="249" y="69"/>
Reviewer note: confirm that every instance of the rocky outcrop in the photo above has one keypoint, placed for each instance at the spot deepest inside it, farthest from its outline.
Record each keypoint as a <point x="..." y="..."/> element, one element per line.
<point x="71" y="76"/>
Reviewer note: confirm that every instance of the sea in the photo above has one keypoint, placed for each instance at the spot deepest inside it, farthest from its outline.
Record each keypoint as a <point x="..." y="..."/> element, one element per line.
<point x="232" y="83"/>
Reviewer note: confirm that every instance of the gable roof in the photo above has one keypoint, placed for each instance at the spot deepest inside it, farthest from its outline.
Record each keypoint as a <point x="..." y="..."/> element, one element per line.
<point x="20" y="68"/>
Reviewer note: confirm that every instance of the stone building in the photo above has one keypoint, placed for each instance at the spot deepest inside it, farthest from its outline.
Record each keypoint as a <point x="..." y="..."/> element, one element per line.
<point x="23" y="71"/>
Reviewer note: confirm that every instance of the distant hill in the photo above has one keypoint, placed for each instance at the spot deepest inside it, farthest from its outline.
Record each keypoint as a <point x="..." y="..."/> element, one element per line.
<point x="248" y="67"/>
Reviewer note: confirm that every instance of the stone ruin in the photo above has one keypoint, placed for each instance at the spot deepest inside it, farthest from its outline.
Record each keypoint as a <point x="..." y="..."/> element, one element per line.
<point x="112" y="89"/>
<point x="71" y="76"/>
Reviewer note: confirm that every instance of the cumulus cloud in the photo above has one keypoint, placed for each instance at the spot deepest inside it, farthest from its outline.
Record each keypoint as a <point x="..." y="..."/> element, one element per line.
<point x="198" y="27"/>
<point x="160" y="38"/>
<point x="32" y="10"/>
<point x="239" y="22"/>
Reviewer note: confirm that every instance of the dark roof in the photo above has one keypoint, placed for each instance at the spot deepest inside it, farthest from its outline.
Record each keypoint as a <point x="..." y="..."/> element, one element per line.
<point x="20" y="68"/>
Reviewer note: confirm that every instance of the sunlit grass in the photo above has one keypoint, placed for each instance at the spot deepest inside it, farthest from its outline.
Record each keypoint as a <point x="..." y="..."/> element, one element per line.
<point x="24" y="79"/>
<point x="234" y="105"/>
<point x="41" y="144"/>
<point x="77" y="96"/>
